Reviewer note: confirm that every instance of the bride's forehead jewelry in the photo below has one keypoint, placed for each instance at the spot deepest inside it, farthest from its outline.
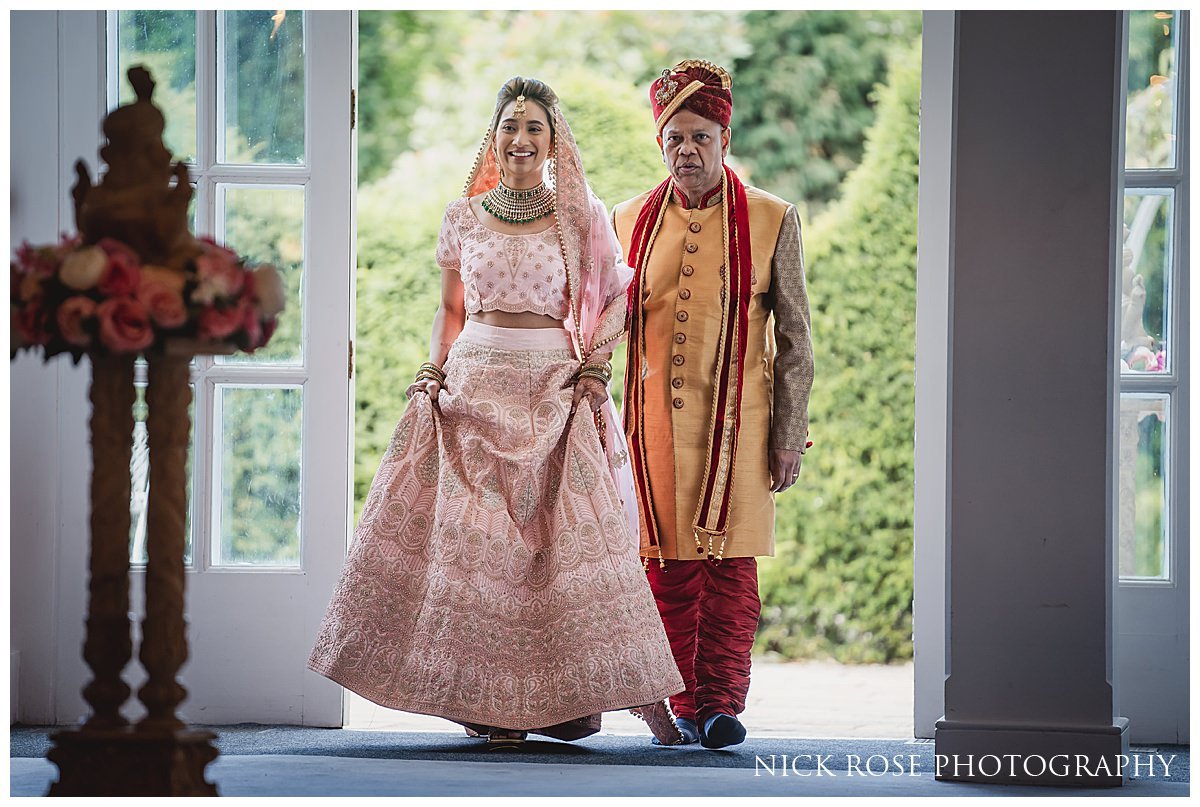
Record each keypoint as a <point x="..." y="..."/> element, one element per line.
<point x="519" y="109"/>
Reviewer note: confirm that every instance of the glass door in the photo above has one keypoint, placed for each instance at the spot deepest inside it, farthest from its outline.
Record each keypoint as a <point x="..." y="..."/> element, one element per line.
<point x="1152" y="330"/>
<point x="259" y="104"/>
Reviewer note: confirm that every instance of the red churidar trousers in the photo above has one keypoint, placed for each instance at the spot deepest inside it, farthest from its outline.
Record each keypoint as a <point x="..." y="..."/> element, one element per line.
<point x="710" y="613"/>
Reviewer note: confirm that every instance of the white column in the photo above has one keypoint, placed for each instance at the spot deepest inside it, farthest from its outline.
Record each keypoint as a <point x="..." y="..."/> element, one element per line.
<point x="1033" y="258"/>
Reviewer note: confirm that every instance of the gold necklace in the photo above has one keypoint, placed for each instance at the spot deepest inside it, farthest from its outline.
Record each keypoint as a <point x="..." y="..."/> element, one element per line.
<point x="519" y="206"/>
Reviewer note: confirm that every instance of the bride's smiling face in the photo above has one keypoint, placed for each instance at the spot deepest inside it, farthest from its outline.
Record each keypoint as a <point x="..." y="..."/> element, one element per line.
<point x="523" y="143"/>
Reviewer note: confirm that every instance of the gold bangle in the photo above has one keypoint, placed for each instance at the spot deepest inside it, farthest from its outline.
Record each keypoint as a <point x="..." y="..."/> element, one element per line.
<point x="430" y="371"/>
<point x="592" y="374"/>
<point x="601" y="370"/>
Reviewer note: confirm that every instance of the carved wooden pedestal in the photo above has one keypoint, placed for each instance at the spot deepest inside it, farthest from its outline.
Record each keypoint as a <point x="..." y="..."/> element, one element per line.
<point x="132" y="762"/>
<point x="159" y="756"/>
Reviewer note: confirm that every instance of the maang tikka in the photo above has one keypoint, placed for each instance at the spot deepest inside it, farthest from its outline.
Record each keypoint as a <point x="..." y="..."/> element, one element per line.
<point x="519" y="109"/>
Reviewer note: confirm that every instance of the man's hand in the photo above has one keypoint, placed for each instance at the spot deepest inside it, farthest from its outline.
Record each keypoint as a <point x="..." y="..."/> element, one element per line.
<point x="785" y="468"/>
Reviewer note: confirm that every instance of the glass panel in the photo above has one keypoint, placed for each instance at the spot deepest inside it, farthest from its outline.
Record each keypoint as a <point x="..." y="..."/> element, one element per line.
<point x="266" y="225"/>
<point x="258" y="512"/>
<point x="164" y="42"/>
<point x="263" y="65"/>
<point x="139" y="467"/>
<point x="1150" y="118"/>
<point x="1142" y="473"/>
<point x="1145" y="281"/>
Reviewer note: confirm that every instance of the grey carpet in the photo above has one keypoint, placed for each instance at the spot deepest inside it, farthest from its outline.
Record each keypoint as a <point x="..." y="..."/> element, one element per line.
<point x="601" y="749"/>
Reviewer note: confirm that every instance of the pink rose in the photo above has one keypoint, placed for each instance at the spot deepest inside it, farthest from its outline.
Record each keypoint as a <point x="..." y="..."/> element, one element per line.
<point x="71" y="315"/>
<point x="31" y="322"/>
<point x="253" y="328"/>
<point x="121" y="277"/>
<point x="218" y="324"/>
<point x="164" y="304"/>
<point x="40" y="261"/>
<point x="218" y="276"/>
<point x="124" y="325"/>
<point x="211" y="247"/>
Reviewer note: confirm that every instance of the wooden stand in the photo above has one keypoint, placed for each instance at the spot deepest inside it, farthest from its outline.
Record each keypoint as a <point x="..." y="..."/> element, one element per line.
<point x="159" y="756"/>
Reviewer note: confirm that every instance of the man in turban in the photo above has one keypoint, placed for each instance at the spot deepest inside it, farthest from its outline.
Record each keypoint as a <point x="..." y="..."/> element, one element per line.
<point x="716" y="390"/>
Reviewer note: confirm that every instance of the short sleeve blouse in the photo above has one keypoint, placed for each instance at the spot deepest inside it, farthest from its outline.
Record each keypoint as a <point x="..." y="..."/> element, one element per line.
<point x="501" y="272"/>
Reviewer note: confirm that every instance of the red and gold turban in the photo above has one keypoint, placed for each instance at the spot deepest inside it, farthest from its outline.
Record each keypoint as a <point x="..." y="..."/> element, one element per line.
<point x="695" y="85"/>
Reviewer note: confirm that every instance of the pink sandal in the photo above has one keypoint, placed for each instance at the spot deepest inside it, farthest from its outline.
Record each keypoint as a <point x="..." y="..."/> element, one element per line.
<point x="662" y="725"/>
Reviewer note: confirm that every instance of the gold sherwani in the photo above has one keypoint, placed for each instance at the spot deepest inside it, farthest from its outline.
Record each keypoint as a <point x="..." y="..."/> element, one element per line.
<point x="682" y="304"/>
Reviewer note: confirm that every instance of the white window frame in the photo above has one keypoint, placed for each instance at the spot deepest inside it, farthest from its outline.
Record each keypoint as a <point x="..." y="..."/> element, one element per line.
<point x="207" y="174"/>
<point x="1172" y="383"/>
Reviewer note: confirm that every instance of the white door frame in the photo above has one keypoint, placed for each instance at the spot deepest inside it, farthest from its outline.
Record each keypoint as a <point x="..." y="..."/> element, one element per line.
<point x="931" y="489"/>
<point x="48" y="624"/>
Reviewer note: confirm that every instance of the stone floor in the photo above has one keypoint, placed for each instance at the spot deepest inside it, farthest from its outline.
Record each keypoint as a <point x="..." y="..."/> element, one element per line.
<point x="798" y="699"/>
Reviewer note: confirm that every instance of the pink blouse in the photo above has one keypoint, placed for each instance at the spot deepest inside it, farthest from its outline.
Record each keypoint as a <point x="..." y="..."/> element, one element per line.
<point x="514" y="273"/>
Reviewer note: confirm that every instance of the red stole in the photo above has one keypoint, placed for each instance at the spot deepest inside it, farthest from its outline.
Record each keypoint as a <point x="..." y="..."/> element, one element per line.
<point x="712" y="510"/>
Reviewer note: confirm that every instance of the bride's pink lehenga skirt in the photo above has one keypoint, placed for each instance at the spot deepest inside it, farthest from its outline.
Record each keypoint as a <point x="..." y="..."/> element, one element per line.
<point x="492" y="580"/>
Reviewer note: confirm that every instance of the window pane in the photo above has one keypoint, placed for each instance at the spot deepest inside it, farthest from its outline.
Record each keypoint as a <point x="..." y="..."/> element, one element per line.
<point x="1145" y="281"/>
<point x="164" y="42"/>
<point x="139" y="467"/>
<point x="1142" y="474"/>
<point x="258" y="512"/>
<point x="263" y="65"/>
<point x="266" y="225"/>
<point x="1150" y="112"/>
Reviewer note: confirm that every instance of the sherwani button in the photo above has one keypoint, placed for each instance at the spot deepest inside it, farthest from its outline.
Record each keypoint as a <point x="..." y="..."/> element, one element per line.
<point x="681" y="316"/>
<point x="676" y="382"/>
<point x="677" y="403"/>
<point x="691" y="247"/>
<point x="694" y="226"/>
<point x="687" y="270"/>
<point x="680" y="339"/>
<point x="685" y="294"/>
<point x="677" y="361"/>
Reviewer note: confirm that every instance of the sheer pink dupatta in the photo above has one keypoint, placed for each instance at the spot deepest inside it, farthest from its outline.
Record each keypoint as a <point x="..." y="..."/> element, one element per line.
<point x="597" y="278"/>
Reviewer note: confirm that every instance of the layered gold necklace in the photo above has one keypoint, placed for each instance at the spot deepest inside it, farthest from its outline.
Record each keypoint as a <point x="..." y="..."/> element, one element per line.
<point x="519" y="206"/>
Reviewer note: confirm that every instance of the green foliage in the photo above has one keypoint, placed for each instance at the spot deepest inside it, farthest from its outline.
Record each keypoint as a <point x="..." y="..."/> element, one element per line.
<point x="395" y="49"/>
<point x="1151" y="50"/>
<point x="164" y="42"/>
<point x="609" y="121"/>
<point x="264" y="86"/>
<point x="431" y="77"/>
<point x="841" y="583"/>
<point x="260" y="475"/>
<point x="802" y="95"/>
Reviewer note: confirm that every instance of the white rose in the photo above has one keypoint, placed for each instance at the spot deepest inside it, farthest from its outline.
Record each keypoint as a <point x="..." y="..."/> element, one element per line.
<point x="268" y="288"/>
<point x="83" y="268"/>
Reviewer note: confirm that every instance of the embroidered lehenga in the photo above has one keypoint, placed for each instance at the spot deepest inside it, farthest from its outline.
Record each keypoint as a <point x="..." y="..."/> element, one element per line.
<point x="494" y="577"/>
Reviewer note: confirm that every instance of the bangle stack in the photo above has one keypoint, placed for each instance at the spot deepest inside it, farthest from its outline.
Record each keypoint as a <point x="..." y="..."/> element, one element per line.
<point x="431" y="372"/>
<point x="599" y="370"/>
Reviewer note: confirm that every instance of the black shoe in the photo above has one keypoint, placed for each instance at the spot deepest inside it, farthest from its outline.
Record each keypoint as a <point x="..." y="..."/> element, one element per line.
<point x="687" y="728"/>
<point x="722" y="730"/>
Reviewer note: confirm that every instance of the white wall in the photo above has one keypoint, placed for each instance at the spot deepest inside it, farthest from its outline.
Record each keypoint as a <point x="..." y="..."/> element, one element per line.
<point x="54" y="120"/>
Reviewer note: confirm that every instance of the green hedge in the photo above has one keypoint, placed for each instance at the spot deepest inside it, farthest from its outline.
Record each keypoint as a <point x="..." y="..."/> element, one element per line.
<point x="841" y="583"/>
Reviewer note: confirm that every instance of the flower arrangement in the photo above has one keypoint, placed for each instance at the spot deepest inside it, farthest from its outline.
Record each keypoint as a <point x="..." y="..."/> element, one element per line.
<point x="74" y="298"/>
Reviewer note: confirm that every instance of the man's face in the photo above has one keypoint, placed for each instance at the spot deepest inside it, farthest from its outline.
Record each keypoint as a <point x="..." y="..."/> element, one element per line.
<point x="694" y="150"/>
